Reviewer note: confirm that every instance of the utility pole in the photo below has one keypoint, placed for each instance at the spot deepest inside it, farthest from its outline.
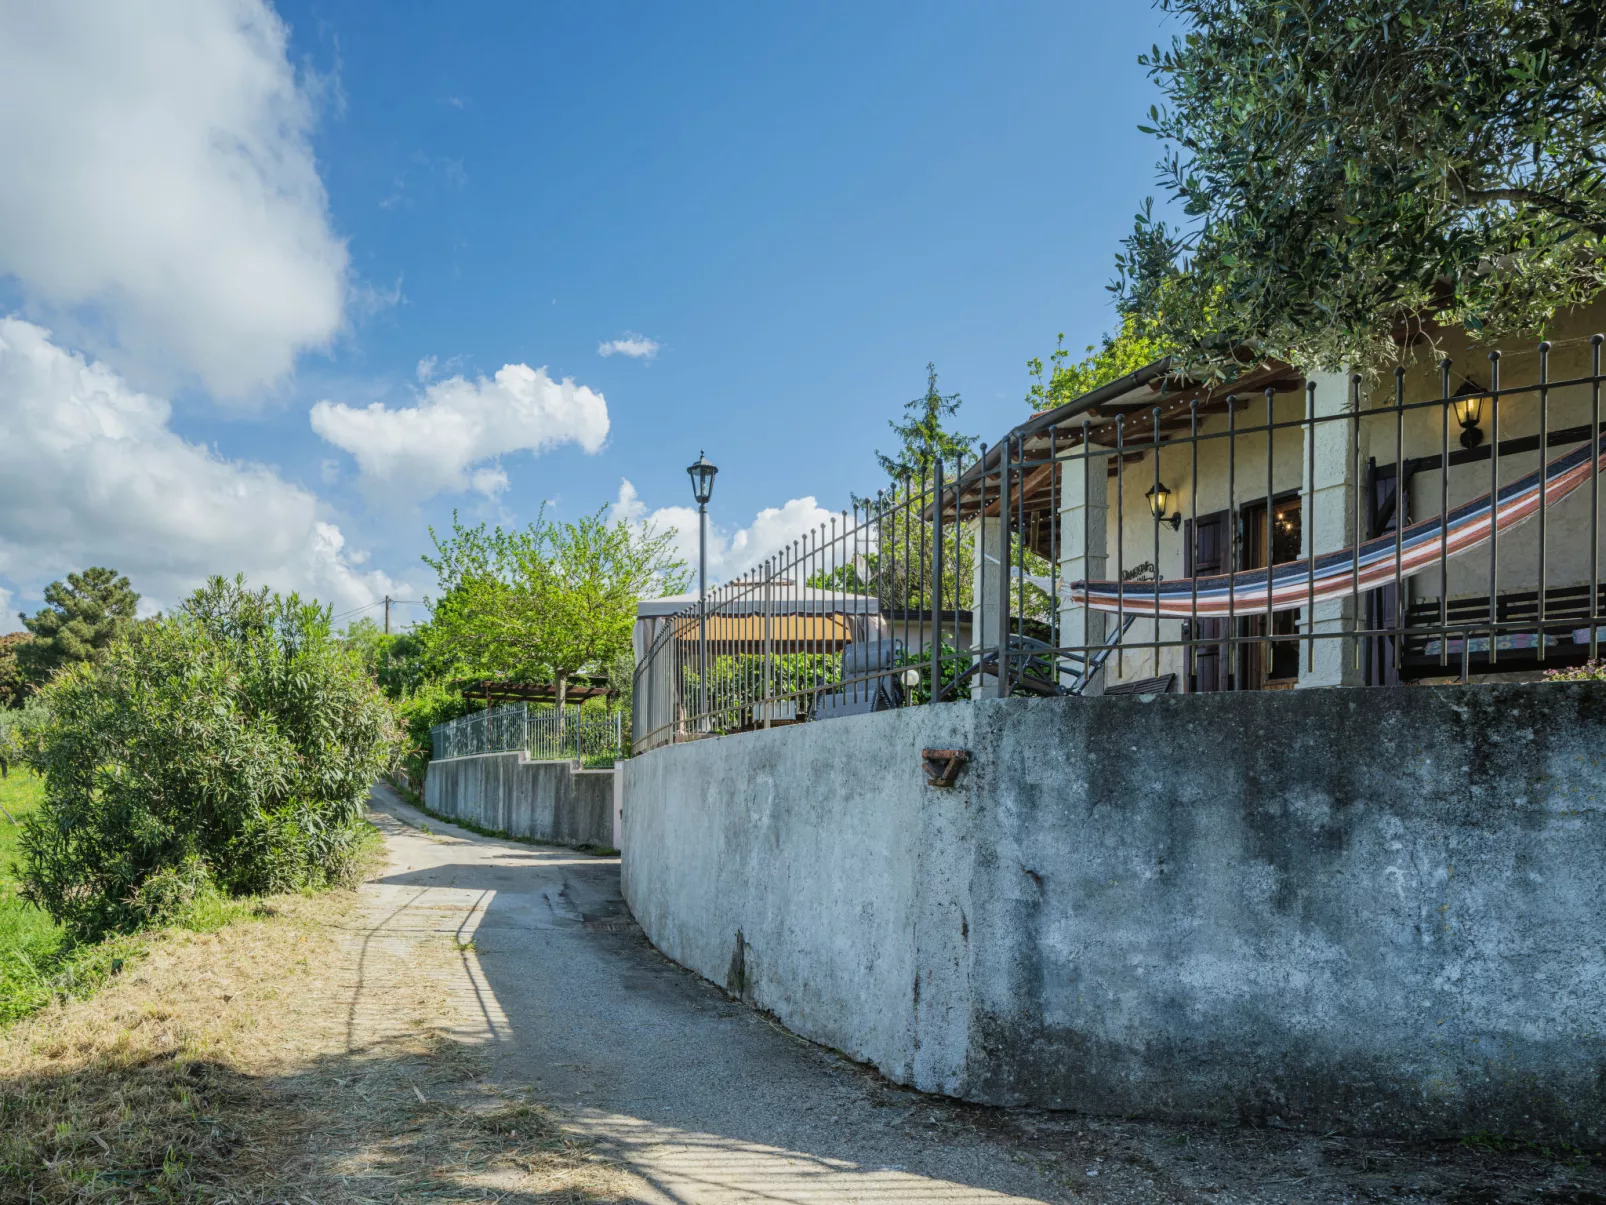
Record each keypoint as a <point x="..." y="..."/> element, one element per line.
<point x="387" y="615"/>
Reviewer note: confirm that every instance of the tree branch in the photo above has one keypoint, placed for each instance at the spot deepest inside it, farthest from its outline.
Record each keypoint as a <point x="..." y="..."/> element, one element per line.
<point x="1561" y="208"/>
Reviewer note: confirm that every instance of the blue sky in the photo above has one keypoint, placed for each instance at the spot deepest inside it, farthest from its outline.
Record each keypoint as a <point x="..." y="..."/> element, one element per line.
<point x="796" y="206"/>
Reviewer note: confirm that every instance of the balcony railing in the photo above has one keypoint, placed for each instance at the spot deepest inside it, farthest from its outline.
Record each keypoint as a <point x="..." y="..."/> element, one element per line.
<point x="1283" y="530"/>
<point x="589" y="737"/>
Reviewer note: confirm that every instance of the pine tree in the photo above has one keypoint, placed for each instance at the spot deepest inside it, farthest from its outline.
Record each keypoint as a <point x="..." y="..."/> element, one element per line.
<point x="922" y="436"/>
<point x="81" y="618"/>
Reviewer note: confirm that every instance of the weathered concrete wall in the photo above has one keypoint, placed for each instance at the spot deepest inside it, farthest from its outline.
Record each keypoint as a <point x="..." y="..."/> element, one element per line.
<point x="1381" y="910"/>
<point x="843" y="874"/>
<point x="545" y="800"/>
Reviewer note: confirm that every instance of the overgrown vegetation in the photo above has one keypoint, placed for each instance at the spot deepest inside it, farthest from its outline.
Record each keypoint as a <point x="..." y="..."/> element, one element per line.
<point x="432" y="703"/>
<point x="955" y="662"/>
<point x="1350" y="170"/>
<point x="36" y="957"/>
<point x="39" y="959"/>
<point x="229" y="745"/>
<point x="398" y="661"/>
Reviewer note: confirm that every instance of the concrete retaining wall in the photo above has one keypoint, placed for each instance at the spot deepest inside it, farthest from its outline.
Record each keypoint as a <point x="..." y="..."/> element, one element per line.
<point x="1380" y="910"/>
<point x="544" y="800"/>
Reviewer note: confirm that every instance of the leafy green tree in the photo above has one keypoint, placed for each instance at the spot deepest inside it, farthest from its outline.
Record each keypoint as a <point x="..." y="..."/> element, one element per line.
<point x="395" y="660"/>
<point x="548" y="601"/>
<point x="431" y="702"/>
<point x="82" y="617"/>
<point x="1349" y="170"/>
<point x="15" y="684"/>
<point x="922" y="437"/>
<point x="1135" y="345"/>
<point x="229" y="746"/>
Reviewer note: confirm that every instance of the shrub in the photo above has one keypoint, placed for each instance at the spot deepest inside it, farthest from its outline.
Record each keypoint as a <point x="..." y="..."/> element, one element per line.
<point x="229" y="745"/>
<point x="430" y="704"/>
<point x="1589" y="671"/>
<point x="16" y="725"/>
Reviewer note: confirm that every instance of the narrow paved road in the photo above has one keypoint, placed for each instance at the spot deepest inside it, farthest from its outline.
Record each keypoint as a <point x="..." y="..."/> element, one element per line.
<point x="701" y="1099"/>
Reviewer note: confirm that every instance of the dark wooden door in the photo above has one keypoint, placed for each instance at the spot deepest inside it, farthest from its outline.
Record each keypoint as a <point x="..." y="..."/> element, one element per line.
<point x="1275" y="662"/>
<point x="1208" y="551"/>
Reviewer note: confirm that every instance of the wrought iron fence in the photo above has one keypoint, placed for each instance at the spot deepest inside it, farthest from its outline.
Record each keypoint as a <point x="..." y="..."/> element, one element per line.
<point x="1288" y="529"/>
<point x="589" y="737"/>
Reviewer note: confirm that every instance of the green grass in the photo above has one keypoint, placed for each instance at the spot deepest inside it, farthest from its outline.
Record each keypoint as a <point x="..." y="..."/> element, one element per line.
<point x="38" y="962"/>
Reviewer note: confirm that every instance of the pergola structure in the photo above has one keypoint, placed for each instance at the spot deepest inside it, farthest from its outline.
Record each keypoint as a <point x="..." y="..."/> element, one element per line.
<point x="494" y="690"/>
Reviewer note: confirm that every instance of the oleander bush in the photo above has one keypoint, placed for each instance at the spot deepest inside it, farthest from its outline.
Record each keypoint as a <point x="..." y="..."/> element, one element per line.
<point x="226" y="747"/>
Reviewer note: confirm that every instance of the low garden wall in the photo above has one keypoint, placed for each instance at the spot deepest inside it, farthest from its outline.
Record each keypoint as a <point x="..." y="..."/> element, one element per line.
<point x="1376" y="910"/>
<point x="544" y="800"/>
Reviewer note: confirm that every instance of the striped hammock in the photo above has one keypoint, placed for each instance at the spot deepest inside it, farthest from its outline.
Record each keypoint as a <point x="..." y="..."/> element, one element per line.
<point x="1334" y="575"/>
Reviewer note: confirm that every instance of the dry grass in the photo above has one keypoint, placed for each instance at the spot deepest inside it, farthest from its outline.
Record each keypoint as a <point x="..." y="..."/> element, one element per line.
<point x="277" y="1059"/>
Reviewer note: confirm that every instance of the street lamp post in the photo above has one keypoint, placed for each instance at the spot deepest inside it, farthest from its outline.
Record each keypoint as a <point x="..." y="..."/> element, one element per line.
<point x="702" y="489"/>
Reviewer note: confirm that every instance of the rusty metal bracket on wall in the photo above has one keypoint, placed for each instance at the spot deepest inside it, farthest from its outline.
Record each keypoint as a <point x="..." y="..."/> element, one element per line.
<point x="943" y="765"/>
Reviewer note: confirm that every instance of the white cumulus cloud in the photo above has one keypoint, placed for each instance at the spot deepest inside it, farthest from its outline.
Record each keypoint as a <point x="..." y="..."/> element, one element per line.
<point x="730" y="553"/>
<point x="457" y="425"/>
<point x="637" y="347"/>
<point x="160" y="195"/>
<point x="489" y="481"/>
<point x="91" y="474"/>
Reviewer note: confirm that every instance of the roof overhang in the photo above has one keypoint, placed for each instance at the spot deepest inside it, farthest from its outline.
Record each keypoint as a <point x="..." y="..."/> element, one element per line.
<point x="1129" y="416"/>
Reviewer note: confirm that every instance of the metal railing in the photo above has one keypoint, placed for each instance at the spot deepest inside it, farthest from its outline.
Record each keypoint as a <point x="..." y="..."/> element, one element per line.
<point x="589" y="737"/>
<point x="1161" y="535"/>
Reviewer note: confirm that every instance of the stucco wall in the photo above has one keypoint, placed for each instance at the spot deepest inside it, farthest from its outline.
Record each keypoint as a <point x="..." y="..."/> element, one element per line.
<point x="545" y="800"/>
<point x="1381" y="910"/>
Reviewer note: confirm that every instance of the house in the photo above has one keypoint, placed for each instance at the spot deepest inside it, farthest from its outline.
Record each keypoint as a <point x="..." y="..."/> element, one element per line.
<point x="1146" y="481"/>
<point x="1171" y="536"/>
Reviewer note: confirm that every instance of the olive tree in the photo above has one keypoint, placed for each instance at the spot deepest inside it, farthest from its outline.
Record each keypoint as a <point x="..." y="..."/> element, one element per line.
<point x="1352" y="171"/>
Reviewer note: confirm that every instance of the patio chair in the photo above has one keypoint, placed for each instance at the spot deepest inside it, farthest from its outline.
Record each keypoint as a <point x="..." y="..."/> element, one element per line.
<point x="870" y="681"/>
<point x="1034" y="669"/>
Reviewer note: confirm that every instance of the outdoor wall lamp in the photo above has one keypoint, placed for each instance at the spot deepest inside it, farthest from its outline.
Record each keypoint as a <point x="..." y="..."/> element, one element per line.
<point x="1469" y="412"/>
<point x="1159" y="499"/>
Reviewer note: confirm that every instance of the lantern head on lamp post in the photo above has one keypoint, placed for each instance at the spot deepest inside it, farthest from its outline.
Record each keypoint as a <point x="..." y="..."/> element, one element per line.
<point x="1159" y="499"/>
<point x="702" y="479"/>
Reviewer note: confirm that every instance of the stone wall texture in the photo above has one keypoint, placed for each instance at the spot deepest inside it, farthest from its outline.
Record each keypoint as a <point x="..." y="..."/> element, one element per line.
<point x="1377" y="910"/>
<point x="544" y="800"/>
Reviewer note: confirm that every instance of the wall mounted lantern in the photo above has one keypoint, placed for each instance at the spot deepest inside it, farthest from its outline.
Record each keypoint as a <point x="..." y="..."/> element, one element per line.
<point x="1469" y="413"/>
<point x="1159" y="499"/>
